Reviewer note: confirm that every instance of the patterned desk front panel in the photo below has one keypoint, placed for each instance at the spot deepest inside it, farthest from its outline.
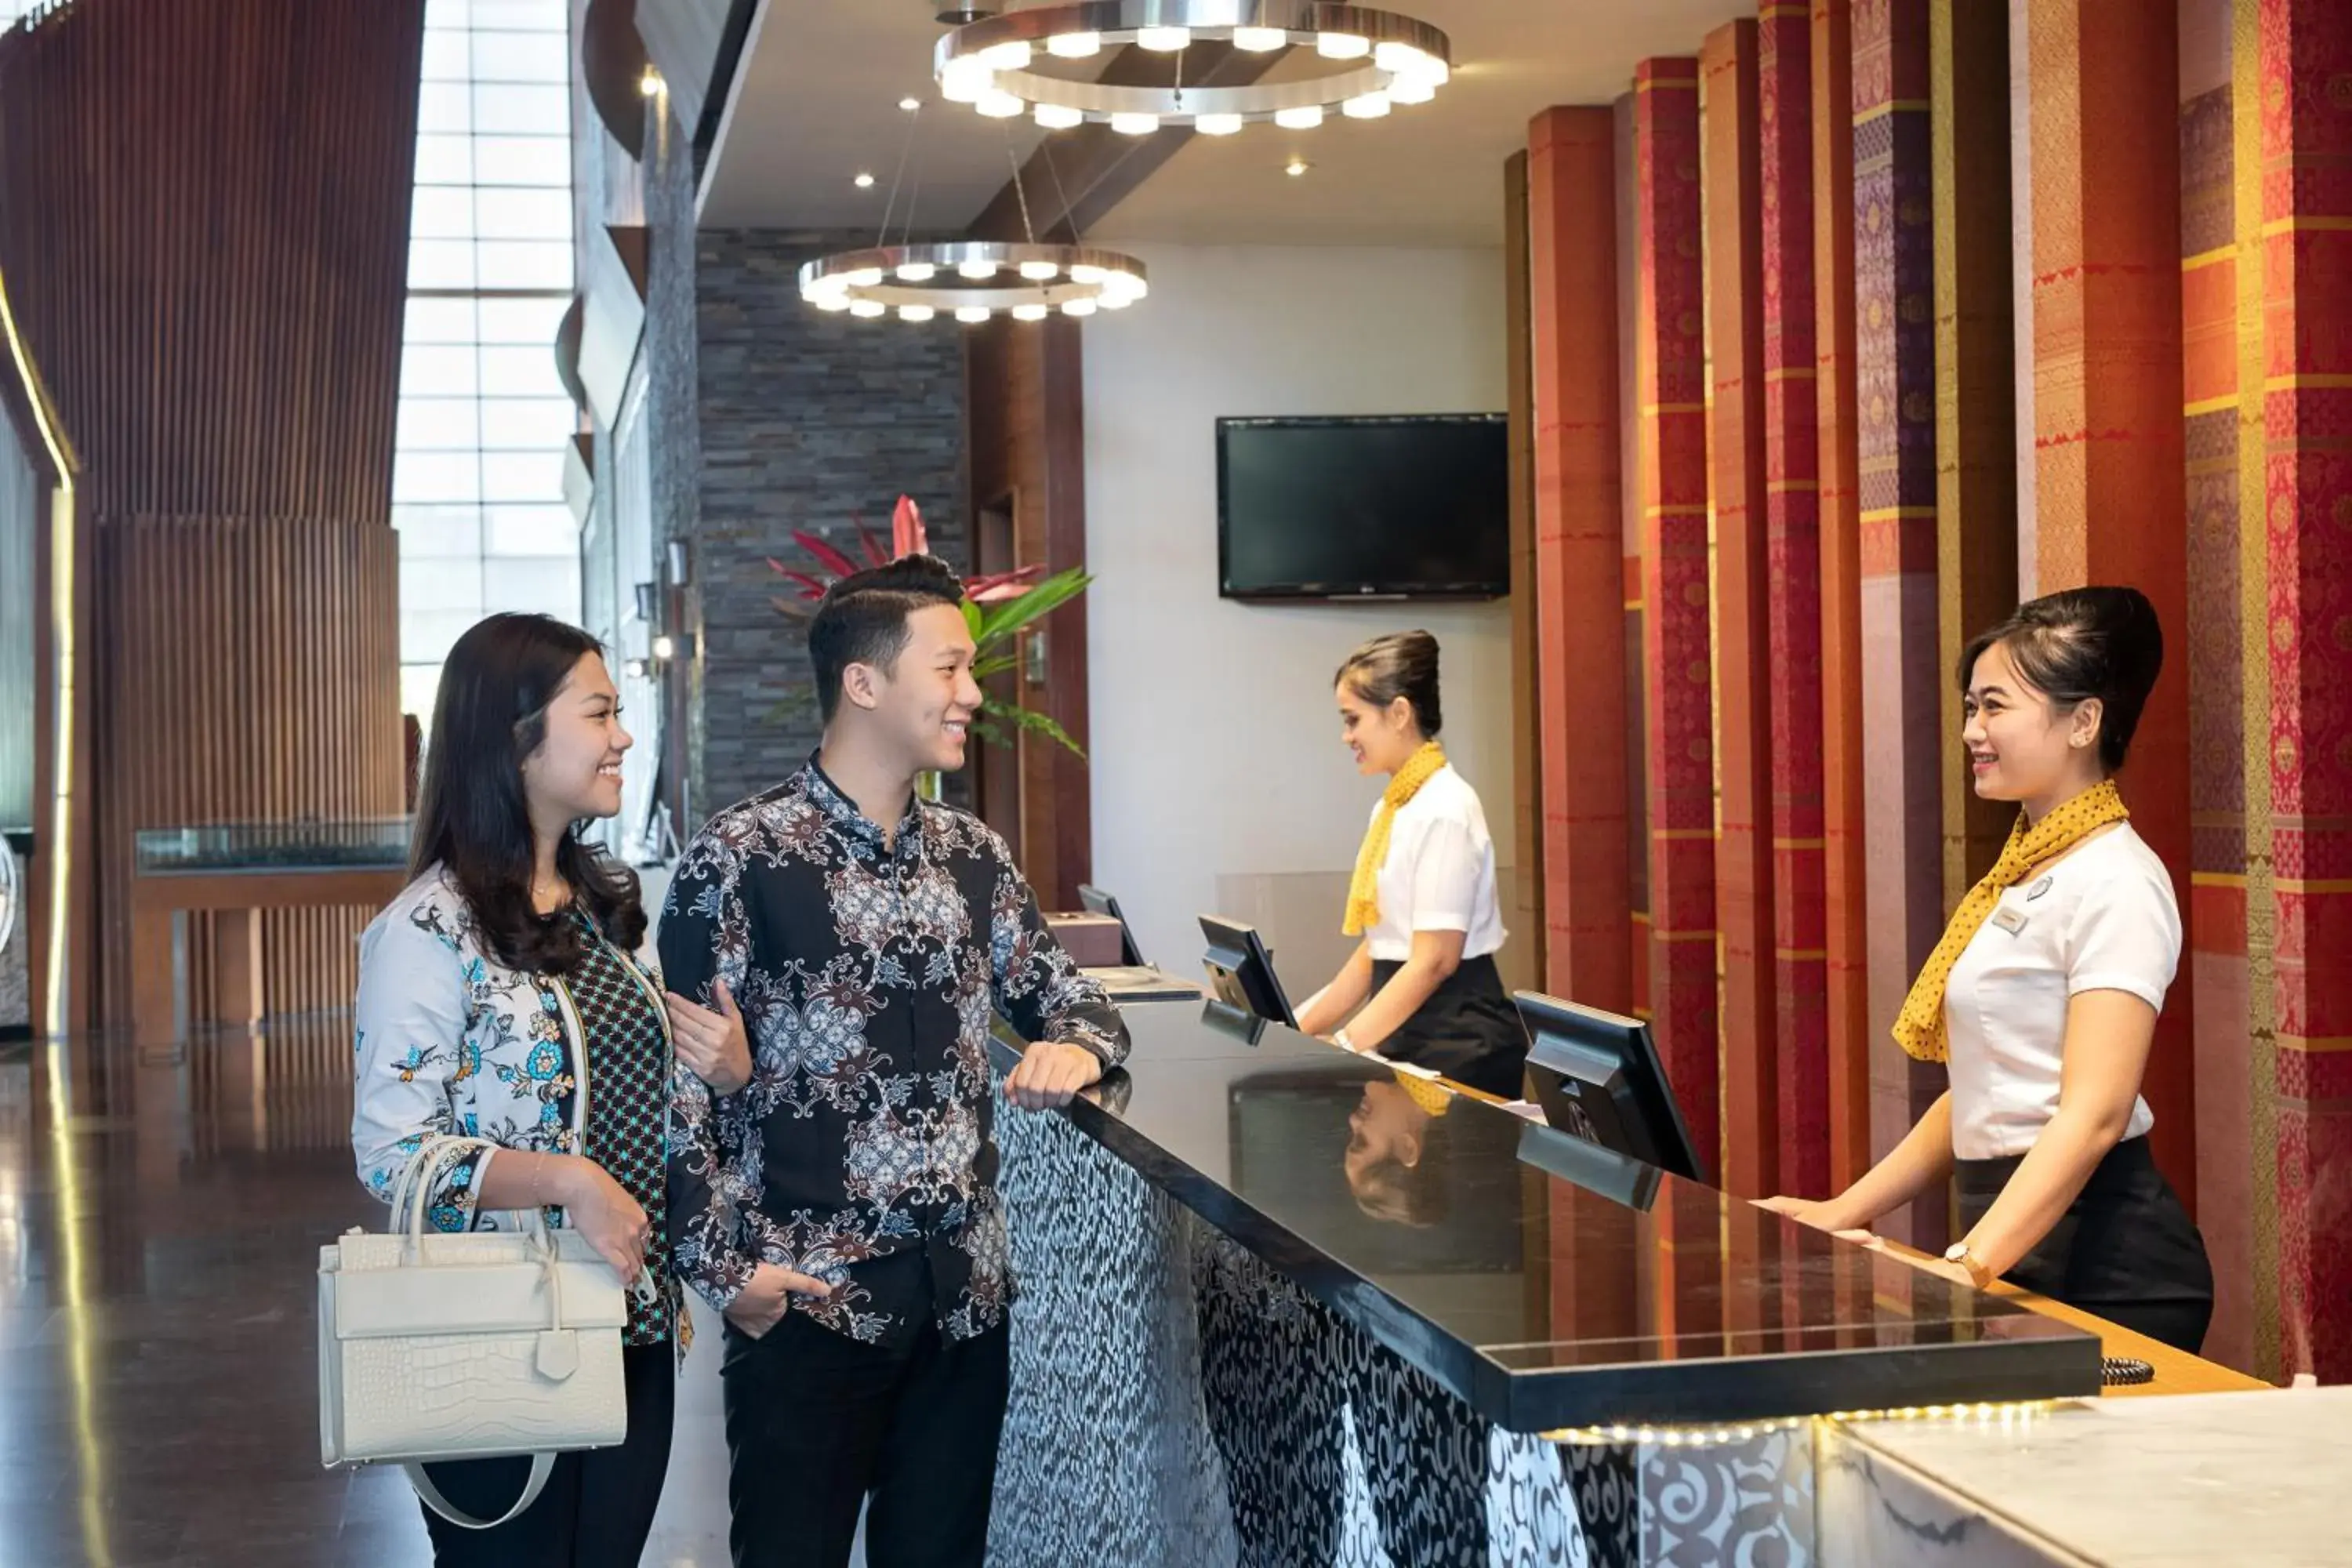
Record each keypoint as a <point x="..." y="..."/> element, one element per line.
<point x="1176" y="1404"/>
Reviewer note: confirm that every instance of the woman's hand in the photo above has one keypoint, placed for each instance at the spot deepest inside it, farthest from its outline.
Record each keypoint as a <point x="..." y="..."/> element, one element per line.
<point x="762" y="1302"/>
<point x="601" y="1209"/>
<point x="713" y="1045"/>
<point x="1821" y="1213"/>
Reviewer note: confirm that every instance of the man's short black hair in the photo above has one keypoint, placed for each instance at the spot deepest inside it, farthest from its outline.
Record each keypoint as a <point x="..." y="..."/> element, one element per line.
<point x="862" y="619"/>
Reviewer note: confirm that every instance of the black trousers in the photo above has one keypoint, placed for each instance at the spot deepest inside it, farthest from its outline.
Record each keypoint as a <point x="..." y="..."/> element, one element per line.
<point x="815" y="1421"/>
<point x="2126" y="1251"/>
<point x="598" y="1505"/>
<point x="1467" y="1030"/>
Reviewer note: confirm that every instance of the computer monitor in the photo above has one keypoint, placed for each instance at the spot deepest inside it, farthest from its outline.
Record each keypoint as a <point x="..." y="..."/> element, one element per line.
<point x="1597" y="1075"/>
<point x="1241" y="971"/>
<point x="1095" y="901"/>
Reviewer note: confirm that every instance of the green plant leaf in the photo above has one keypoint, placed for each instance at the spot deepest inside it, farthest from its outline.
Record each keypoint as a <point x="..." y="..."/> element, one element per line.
<point x="995" y="665"/>
<point x="973" y="620"/>
<point x="1000" y="621"/>
<point x="1036" y="723"/>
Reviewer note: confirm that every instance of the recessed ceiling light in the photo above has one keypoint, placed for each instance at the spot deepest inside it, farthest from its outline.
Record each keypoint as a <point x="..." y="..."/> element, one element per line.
<point x="864" y="182"/>
<point x="911" y="104"/>
<point x="1296" y="167"/>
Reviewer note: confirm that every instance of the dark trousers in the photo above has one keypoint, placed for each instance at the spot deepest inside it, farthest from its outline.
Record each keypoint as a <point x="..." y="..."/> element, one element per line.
<point x="2126" y="1251"/>
<point x="815" y="1421"/>
<point x="598" y="1505"/>
<point x="1467" y="1030"/>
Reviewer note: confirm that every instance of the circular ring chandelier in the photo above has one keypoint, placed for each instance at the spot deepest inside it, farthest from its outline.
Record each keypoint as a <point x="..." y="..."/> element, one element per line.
<point x="974" y="281"/>
<point x="1382" y="59"/>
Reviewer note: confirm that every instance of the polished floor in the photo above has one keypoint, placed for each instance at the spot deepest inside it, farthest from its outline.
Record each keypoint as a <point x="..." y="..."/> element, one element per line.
<point x="160" y="1214"/>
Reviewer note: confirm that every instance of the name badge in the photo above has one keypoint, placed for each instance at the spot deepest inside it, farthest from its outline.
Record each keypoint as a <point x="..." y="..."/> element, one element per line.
<point x="2011" y="920"/>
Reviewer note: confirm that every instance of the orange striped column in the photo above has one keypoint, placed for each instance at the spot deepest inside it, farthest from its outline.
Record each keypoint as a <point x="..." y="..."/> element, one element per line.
<point x="1678" y="706"/>
<point x="1580" y="629"/>
<point x="1846" y="912"/>
<point x="2109" y="499"/>
<point x="1629" y="463"/>
<point x="1895" y="359"/>
<point x="1743" y="663"/>
<point x="2306" y="66"/>
<point x="1793" y="482"/>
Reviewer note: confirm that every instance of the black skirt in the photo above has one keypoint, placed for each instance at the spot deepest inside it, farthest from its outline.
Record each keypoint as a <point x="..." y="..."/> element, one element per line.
<point x="2126" y="1250"/>
<point x="1467" y="1030"/>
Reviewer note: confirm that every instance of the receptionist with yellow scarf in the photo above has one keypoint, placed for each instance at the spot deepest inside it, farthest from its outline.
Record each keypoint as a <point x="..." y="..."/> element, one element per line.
<point x="1421" y="987"/>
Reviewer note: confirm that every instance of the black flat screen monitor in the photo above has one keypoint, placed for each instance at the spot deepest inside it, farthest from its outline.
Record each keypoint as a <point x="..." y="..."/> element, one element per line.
<point x="1241" y="971"/>
<point x="1392" y="507"/>
<point x="1597" y="1075"/>
<point x="1095" y="901"/>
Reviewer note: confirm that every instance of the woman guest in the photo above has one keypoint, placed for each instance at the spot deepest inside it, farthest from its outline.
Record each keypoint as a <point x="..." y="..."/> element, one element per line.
<point x="1422" y="897"/>
<point x="2044" y="991"/>
<point x="499" y="998"/>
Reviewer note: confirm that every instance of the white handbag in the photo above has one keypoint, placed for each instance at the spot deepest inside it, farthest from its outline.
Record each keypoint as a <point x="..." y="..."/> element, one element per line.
<point x="468" y="1346"/>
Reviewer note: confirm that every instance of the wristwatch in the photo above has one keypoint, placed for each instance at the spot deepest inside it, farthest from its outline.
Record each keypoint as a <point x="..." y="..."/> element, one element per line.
<point x="1981" y="1277"/>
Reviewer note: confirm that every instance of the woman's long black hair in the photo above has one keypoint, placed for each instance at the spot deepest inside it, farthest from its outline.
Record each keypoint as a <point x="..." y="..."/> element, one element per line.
<point x="472" y="817"/>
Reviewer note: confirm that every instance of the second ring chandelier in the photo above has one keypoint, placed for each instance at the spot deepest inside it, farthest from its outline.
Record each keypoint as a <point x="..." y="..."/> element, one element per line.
<point x="1378" y="60"/>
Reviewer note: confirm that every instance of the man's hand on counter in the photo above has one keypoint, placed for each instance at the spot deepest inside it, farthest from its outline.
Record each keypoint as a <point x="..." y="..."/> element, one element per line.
<point x="1050" y="1075"/>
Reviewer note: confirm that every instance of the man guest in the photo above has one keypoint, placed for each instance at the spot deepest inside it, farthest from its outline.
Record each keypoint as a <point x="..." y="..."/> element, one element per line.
<point x="837" y="949"/>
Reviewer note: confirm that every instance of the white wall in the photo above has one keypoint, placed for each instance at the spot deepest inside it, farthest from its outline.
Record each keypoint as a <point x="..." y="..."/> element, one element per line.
<point x="1220" y="782"/>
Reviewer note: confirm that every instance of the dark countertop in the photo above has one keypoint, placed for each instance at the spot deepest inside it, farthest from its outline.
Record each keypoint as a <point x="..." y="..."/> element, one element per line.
<point x="1544" y="1281"/>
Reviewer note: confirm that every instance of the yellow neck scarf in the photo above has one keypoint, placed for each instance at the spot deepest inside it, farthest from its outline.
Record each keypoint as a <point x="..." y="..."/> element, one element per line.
<point x="1364" y="890"/>
<point x="1919" y="1027"/>
<point x="1426" y="1093"/>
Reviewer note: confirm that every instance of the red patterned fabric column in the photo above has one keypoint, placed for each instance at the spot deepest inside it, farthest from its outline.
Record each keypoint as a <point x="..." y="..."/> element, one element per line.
<point x="2307" y="66"/>
<point x="1743" y="662"/>
<point x="1895" y="355"/>
<point x="1792" y="480"/>
<point x="2215" y="655"/>
<point x="2109" y="500"/>
<point x="1846" y="922"/>
<point x="1678" y="718"/>
<point x="1580" y="599"/>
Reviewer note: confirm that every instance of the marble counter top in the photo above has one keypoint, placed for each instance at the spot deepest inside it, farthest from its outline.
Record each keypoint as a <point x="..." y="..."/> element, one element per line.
<point x="1543" y="1281"/>
<point x="2250" y="1481"/>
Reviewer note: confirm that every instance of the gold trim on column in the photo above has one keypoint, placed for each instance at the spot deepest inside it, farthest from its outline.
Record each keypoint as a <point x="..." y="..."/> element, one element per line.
<point x="2254" y="620"/>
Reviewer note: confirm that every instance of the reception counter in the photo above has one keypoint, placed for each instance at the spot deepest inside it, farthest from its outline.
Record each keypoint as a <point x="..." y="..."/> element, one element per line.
<point x="1278" y="1306"/>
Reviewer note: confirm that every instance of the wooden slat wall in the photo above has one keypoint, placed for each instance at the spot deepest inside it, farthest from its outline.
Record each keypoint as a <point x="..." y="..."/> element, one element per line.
<point x="203" y="212"/>
<point x="1527" y="916"/>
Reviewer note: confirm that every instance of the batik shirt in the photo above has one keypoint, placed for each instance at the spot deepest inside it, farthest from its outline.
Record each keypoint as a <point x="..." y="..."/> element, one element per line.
<point x="869" y="973"/>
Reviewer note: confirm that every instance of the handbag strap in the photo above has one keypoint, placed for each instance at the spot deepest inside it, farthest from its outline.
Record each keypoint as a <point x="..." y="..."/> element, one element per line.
<point x="543" y="1465"/>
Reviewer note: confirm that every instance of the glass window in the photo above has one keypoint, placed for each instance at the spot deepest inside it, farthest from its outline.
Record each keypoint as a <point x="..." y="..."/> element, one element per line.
<point x="530" y="423"/>
<point x="533" y="530"/>
<point x="520" y="56"/>
<point x="477" y="472"/>
<point x="439" y="423"/>
<point x="523" y="161"/>
<point x="518" y="109"/>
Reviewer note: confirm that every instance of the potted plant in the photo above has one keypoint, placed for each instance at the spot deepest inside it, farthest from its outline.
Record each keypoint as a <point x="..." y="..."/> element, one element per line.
<point x="997" y="607"/>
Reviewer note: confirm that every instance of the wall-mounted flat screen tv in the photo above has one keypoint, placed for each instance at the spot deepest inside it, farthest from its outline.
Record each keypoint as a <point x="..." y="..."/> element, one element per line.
<point x="1410" y="506"/>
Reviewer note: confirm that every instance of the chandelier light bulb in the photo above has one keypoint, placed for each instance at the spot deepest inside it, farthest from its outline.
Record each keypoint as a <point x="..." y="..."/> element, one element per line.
<point x="1013" y="57"/>
<point x="866" y="309"/>
<point x="1040" y="271"/>
<point x="1029" y="312"/>
<point x="915" y="312"/>
<point x="1163" y="40"/>
<point x="918" y="272"/>
<point x="1260" y="40"/>
<point x="1135" y="124"/>
<point x="1075" y="46"/>
<point x="978" y="272"/>
<point x="828" y="301"/>
<point x="972" y="315"/>
<point x="1079" y="307"/>
<point x="1059" y="117"/>
<point x="966" y="80"/>
<point x="1307" y="117"/>
<point x="864" y="278"/>
<point x="998" y="105"/>
<point x="1366" y="106"/>
<point x="1217" y="125"/>
<point x="1115" y="301"/>
<point x="1412" y="89"/>
<point x="1342" y="46"/>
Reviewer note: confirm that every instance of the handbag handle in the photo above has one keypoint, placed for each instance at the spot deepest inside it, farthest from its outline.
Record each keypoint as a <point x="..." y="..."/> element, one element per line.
<point x="414" y="1190"/>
